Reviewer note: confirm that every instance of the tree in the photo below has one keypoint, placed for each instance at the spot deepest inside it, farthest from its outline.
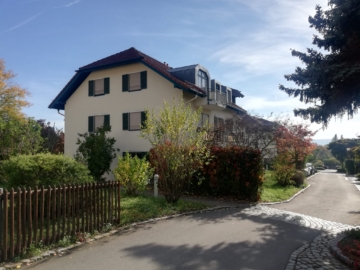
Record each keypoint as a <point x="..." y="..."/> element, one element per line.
<point x="294" y="143"/>
<point x="96" y="151"/>
<point x="53" y="137"/>
<point x="331" y="82"/>
<point x="335" y="138"/>
<point x="178" y="146"/>
<point x="319" y="153"/>
<point x="12" y="97"/>
<point x="339" y="149"/>
<point x="19" y="136"/>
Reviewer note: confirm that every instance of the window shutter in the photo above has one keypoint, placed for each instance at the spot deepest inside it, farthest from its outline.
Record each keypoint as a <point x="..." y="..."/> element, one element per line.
<point x="125" y="121"/>
<point x="107" y="120"/>
<point x="91" y="88"/>
<point x="91" y="124"/>
<point x="125" y="82"/>
<point x="143" y="119"/>
<point x="106" y="85"/>
<point x="143" y="79"/>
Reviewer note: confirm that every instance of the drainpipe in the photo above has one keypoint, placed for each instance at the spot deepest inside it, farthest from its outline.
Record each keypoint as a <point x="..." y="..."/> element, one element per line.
<point x="192" y="99"/>
<point x="60" y="113"/>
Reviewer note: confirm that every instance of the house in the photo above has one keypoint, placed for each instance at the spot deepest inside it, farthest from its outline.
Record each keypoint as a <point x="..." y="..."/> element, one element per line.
<point x="118" y="89"/>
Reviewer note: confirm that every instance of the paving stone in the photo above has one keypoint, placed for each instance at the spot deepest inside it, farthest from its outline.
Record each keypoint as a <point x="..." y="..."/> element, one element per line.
<point x="26" y="261"/>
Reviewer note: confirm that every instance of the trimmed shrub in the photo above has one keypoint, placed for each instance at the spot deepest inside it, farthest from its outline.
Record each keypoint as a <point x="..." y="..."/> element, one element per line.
<point x="341" y="170"/>
<point x="232" y="171"/>
<point x="350" y="166"/>
<point x="283" y="173"/>
<point x="133" y="173"/>
<point x="43" y="170"/>
<point x="298" y="178"/>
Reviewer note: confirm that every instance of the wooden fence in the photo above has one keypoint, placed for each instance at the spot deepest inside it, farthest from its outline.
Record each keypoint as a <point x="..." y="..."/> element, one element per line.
<point x="30" y="216"/>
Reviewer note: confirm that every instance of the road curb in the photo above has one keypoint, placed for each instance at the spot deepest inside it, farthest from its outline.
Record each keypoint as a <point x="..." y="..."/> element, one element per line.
<point x="336" y="252"/>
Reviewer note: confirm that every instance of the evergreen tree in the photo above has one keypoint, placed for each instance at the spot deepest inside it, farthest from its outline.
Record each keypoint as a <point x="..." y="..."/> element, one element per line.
<point x="330" y="81"/>
<point x="335" y="138"/>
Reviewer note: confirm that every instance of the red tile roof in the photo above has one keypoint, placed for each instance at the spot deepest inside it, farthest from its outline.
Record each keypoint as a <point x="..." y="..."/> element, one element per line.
<point x="133" y="55"/>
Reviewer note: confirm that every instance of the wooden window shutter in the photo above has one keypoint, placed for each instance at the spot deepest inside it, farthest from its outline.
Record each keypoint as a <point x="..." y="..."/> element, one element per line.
<point x="125" y="121"/>
<point x="125" y="82"/>
<point x="143" y="119"/>
<point x="107" y="120"/>
<point x="91" y="124"/>
<point x="91" y="88"/>
<point x="106" y="85"/>
<point x="143" y="79"/>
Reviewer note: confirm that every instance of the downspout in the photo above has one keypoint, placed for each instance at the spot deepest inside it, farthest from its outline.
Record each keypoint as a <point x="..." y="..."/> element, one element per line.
<point x="192" y="99"/>
<point x="60" y="113"/>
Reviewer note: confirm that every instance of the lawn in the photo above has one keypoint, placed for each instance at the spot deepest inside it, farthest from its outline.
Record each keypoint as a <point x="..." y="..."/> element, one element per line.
<point x="140" y="208"/>
<point x="273" y="192"/>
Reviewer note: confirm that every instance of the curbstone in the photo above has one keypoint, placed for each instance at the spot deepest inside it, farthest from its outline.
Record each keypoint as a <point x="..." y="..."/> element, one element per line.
<point x="12" y="266"/>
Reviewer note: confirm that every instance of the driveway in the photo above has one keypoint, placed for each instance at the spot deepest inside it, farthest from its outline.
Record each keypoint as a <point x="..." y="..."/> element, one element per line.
<point x="330" y="197"/>
<point x="252" y="237"/>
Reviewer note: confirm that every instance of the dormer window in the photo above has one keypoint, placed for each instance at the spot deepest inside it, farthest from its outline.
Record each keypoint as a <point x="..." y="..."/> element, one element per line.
<point x="218" y="87"/>
<point x="202" y="81"/>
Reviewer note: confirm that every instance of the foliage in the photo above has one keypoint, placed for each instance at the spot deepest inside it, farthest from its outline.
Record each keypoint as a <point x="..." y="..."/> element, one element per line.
<point x="283" y="171"/>
<point x="53" y="137"/>
<point x="232" y="171"/>
<point x="318" y="163"/>
<point x="331" y="163"/>
<point x="294" y="143"/>
<point x="133" y="173"/>
<point x="19" y="137"/>
<point x="298" y="178"/>
<point x="140" y="208"/>
<point x="178" y="147"/>
<point x="330" y="80"/>
<point x="341" y="170"/>
<point x="273" y="192"/>
<point x="339" y="148"/>
<point x="350" y="166"/>
<point x="43" y="170"/>
<point x="12" y="97"/>
<point x="97" y="151"/>
<point x="319" y="154"/>
<point x="249" y="131"/>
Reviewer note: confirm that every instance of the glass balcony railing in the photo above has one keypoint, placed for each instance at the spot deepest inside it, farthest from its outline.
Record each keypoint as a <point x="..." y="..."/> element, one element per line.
<point x="217" y="96"/>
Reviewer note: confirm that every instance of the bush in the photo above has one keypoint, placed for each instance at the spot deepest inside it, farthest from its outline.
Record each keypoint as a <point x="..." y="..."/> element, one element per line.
<point x="232" y="171"/>
<point x="320" y="168"/>
<point x="133" y="173"/>
<point x="283" y="173"/>
<point x="341" y="170"/>
<point x="43" y="170"/>
<point x="298" y="178"/>
<point x="358" y="176"/>
<point x="350" y="166"/>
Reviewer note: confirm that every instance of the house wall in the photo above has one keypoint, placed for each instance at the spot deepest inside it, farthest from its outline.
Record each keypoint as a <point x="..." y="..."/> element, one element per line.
<point x="80" y="106"/>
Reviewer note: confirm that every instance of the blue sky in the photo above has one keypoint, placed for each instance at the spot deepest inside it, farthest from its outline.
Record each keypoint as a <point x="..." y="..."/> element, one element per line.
<point x="244" y="44"/>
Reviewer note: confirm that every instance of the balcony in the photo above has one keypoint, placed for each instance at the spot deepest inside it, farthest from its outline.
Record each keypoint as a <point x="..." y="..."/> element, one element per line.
<point x="217" y="98"/>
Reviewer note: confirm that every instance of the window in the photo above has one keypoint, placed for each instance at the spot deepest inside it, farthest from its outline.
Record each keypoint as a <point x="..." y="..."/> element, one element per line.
<point x="133" y="121"/>
<point x="99" y="87"/>
<point x="134" y="81"/>
<point x="202" y="80"/>
<point x="217" y="87"/>
<point x="204" y="119"/>
<point x="229" y="99"/>
<point x="97" y="121"/>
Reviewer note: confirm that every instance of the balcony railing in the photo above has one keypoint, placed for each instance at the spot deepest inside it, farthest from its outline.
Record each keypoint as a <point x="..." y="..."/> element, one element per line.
<point x="217" y="96"/>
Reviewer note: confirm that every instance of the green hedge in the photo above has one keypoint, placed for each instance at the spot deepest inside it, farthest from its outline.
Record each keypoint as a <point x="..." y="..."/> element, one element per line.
<point x="232" y="171"/>
<point x="350" y="166"/>
<point x="43" y="170"/>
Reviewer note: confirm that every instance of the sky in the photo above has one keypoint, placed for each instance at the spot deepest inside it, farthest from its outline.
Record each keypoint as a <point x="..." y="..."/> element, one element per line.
<point x="244" y="44"/>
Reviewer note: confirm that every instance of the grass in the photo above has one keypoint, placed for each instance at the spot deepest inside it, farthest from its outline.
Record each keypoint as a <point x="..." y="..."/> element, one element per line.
<point x="273" y="192"/>
<point x="140" y="208"/>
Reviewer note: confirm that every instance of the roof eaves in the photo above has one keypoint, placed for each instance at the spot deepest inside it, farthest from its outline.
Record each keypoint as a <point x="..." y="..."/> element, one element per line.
<point x="116" y="64"/>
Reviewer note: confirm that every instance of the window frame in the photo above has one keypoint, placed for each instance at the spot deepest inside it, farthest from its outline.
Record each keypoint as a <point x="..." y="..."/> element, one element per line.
<point x="91" y="87"/>
<point x="126" y="120"/>
<point x="91" y="122"/>
<point x="202" y="77"/>
<point x="126" y="81"/>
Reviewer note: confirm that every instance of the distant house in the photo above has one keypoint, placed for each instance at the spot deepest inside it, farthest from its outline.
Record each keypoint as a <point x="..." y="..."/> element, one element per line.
<point x="119" y="88"/>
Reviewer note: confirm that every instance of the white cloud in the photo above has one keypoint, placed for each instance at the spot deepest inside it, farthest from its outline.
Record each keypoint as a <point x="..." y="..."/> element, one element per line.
<point x="72" y="3"/>
<point x="23" y="23"/>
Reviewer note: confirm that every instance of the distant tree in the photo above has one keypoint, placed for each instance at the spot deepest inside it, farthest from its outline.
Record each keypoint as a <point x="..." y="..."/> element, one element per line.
<point x="97" y="151"/>
<point x="339" y="149"/>
<point x="12" y="97"/>
<point x="335" y="138"/>
<point x="331" y="163"/>
<point x="319" y="153"/>
<point x="330" y="80"/>
<point x="53" y="137"/>
<point x="341" y="137"/>
<point x="294" y="143"/>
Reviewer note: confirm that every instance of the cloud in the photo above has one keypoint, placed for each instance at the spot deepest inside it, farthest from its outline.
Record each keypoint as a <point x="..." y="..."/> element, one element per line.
<point x="23" y="23"/>
<point x="72" y="3"/>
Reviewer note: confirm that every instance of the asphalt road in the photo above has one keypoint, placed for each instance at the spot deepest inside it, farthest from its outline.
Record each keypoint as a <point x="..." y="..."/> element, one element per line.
<point x="330" y="197"/>
<point x="225" y="239"/>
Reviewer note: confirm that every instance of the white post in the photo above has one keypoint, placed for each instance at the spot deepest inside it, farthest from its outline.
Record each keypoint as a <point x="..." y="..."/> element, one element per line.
<point x="156" y="179"/>
<point x="1" y="191"/>
<point x="267" y="168"/>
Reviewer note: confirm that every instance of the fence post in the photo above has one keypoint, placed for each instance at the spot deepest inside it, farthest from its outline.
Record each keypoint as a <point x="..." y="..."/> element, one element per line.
<point x="156" y="179"/>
